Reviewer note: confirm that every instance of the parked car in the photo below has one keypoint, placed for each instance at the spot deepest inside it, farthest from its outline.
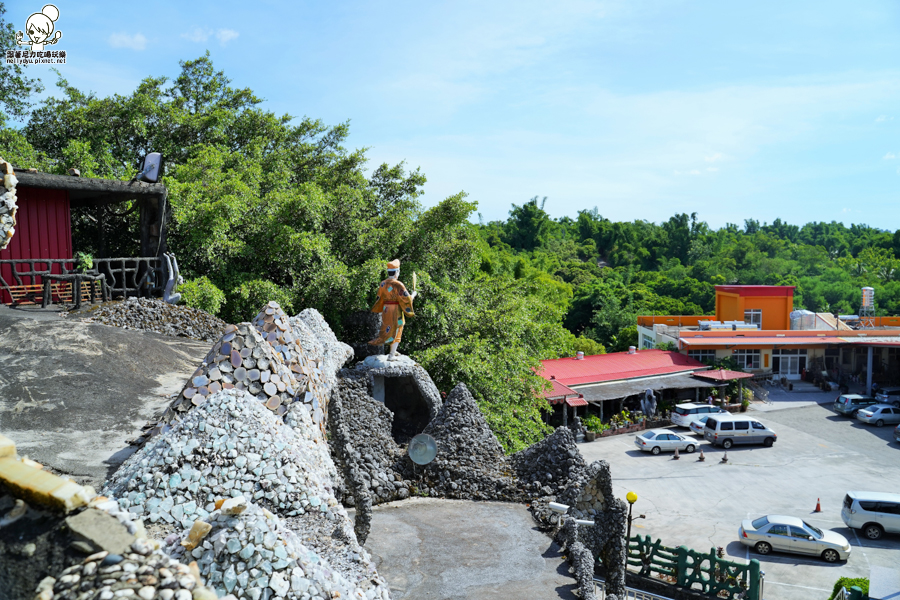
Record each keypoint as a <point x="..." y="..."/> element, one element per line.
<point x="849" y="404"/>
<point x="655" y="441"/>
<point x="727" y="430"/>
<point x="889" y="395"/>
<point x="879" y="414"/>
<point x="698" y="424"/>
<point x="897" y="433"/>
<point x="872" y="512"/>
<point x="683" y="414"/>
<point x="790" y="534"/>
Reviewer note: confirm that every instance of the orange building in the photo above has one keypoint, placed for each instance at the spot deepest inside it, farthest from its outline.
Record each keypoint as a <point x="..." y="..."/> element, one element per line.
<point x="757" y="326"/>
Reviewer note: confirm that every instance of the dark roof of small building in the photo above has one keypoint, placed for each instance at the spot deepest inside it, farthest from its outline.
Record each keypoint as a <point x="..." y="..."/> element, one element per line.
<point x="91" y="190"/>
<point x="617" y="366"/>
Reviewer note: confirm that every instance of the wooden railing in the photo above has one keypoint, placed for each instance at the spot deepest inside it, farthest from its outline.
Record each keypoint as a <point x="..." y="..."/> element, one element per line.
<point x="138" y="276"/>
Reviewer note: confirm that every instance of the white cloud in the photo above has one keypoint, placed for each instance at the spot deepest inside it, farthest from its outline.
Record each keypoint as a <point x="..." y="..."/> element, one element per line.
<point x="123" y="40"/>
<point x="226" y="35"/>
<point x="694" y="172"/>
<point x="197" y="35"/>
<point x="883" y="118"/>
<point x="714" y="158"/>
<point x="889" y="156"/>
<point x="200" y="35"/>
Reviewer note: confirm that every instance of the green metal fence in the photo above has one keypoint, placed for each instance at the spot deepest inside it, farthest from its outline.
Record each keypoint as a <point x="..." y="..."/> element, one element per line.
<point x="702" y="572"/>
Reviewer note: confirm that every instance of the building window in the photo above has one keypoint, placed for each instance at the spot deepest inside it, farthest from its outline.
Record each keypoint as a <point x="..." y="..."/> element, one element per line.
<point x="704" y="356"/>
<point x="747" y="359"/>
<point x="753" y="316"/>
<point x="647" y="342"/>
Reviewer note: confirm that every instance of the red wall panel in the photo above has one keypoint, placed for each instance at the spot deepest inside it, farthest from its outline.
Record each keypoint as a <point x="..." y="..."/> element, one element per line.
<point x="44" y="230"/>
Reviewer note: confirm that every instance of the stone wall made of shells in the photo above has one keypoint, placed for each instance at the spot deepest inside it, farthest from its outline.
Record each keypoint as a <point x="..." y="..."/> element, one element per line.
<point x="264" y="358"/>
<point x="8" y="205"/>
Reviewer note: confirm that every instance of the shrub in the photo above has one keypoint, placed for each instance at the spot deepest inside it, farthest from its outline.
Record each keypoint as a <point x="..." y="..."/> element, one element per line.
<point x="593" y="423"/>
<point x="203" y="294"/>
<point x="848" y="582"/>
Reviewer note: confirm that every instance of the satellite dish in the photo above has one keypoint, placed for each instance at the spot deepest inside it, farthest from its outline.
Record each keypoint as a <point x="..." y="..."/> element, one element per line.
<point x="422" y="449"/>
<point x="152" y="167"/>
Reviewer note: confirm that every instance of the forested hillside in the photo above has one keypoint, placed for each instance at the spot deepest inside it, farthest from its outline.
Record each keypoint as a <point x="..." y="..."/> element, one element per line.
<point x="270" y="206"/>
<point x="613" y="272"/>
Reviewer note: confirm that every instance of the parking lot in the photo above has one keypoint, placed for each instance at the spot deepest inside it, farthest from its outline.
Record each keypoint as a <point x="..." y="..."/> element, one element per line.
<point x="819" y="455"/>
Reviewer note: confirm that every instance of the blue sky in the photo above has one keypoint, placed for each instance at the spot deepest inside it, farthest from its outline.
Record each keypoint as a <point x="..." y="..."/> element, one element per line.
<point x="643" y="109"/>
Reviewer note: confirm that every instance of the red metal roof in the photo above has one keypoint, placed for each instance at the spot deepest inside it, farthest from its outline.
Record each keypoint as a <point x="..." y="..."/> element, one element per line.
<point x="559" y="391"/>
<point x="617" y="365"/>
<point x="757" y="290"/>
<point x="722" y="375"/>
<point x="576" y="402"/>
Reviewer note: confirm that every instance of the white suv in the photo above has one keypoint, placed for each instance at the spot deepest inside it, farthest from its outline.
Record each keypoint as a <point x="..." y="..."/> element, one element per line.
<point x="875" y="513"/>
<point x="683" y="414"/>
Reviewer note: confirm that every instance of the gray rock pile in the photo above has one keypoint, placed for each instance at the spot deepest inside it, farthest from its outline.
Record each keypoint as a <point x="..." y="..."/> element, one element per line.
<point x="321" y="345"/>
<point x="8" y="206"/>
<point x="590" y="492"/>
<point x="151" y="314"/>
<point x="548" y="466"/>
<point x="470" y="462"/>
<point x="231" y="445"/>
<point x="372" y="450"/>
<point x="143" y="573"/>
<point x="251" y="553"/>
<point x="267" y="358"/>
<point x="406" y="389"/>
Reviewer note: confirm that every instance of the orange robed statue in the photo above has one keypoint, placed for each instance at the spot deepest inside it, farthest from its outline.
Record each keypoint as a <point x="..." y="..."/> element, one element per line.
<point x="395" y="305"/>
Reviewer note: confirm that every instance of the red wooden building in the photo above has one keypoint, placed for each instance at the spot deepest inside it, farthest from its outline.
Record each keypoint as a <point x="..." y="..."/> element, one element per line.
<point x="43" y="237"/>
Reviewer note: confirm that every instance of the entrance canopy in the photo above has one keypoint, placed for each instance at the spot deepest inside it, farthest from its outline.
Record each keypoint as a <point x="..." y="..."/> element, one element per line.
<point x="633" y="387"/>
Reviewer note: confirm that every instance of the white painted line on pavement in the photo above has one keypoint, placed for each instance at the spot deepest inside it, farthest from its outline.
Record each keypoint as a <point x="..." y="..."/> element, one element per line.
<point x="858" y="543"/>
<point x="805" y="587"/>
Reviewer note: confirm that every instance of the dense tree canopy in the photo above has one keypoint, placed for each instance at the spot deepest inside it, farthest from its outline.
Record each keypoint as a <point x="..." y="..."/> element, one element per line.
<point x="275" y="207"/>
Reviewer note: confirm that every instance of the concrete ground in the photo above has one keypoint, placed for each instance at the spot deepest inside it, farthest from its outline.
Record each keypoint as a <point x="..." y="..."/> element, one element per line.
<point x="819" y="455"/>
<point x="72" y="393"/>
<point x="454" y="550"/>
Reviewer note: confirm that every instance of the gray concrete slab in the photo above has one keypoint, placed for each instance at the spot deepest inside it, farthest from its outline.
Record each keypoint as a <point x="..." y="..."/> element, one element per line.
<point x="453" y="550"/>
<point x="818" y="455"/>
<point x="72" y="393"/>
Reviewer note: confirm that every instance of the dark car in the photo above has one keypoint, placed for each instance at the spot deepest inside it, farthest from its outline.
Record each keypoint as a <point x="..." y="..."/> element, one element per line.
<point x="849" y="404"/>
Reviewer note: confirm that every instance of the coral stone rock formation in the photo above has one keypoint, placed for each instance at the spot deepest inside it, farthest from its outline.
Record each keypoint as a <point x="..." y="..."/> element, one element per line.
<point x="151" y="314"/>
<point x="8" y="206"/>
<point x="406" y="389"/>
<point x="230" y="445"/>
<point x="470" y="462"/>
<point x="142" y="573"/>
<point x="550" y="464"/>
<point x="253" y="554"/>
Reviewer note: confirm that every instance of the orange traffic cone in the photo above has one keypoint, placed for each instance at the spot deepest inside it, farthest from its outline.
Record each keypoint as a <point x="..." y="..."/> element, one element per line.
<point x="818" y="505"/>
<point x="676" y="457"/>
<point x="702" y="458"/>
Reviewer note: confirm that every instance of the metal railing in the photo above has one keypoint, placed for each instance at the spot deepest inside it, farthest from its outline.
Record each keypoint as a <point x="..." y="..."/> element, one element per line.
<point x="137" y="276"/>
<point x="704" y="572"/>
<point x="630" y="593"/>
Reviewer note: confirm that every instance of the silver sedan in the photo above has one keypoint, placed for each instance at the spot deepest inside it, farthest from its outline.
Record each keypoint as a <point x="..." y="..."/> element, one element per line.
<point x="879" y="414"/>
<point x="655" y="441"/>
<point x="790" y="534"/>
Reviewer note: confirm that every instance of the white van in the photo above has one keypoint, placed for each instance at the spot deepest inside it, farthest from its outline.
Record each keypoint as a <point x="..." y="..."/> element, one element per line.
<point x="727" y="430"/>
<point x="683" y="414"/>
<point x="875" y="513"/>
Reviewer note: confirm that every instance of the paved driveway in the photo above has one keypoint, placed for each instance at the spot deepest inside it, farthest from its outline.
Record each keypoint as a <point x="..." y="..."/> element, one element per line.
<point x="818" y="455"/>
<point x="431" y="549"/>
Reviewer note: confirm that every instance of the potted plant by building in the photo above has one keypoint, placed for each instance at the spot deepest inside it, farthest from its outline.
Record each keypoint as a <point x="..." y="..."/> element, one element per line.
<point x="84" y="262"/>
